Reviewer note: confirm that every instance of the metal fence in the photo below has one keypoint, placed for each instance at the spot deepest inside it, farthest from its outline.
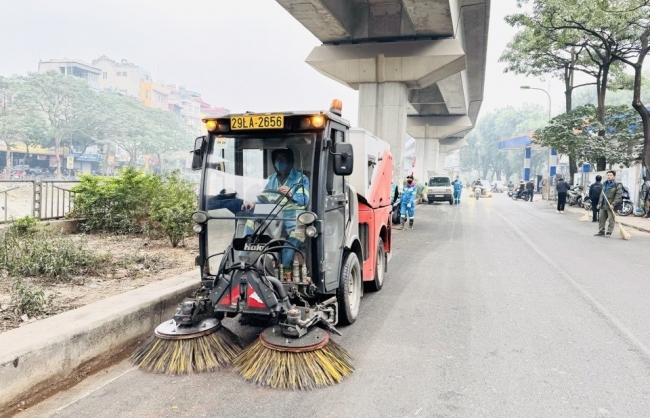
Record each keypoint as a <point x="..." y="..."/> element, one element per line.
<point x="42" y="199"/>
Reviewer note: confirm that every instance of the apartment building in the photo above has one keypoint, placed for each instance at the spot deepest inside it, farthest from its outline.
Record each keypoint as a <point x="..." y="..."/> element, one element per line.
<point x="121" y="77"/>
<point x="72" y="67"/>
<point x="154" y="95"/>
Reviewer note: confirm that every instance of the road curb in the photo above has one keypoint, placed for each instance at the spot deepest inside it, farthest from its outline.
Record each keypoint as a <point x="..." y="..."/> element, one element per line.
<point x="622" y="222"/>
<point x="46" y="356"/>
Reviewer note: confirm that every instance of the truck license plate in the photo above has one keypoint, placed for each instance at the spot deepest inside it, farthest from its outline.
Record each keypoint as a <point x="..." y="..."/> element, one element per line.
<point x="257" y="122"/>
<point x="438" y="195"/>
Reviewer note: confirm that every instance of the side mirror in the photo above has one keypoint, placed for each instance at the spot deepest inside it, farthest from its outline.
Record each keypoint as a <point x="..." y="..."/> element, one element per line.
<point x="343" y="159"/>
<point x="197" y="154"/>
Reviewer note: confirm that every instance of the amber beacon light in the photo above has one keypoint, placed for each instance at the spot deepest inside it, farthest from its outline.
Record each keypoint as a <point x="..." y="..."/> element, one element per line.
<point x="336" y="107"/>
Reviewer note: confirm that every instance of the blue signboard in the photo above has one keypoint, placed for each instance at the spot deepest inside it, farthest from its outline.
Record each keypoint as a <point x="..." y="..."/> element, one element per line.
<point x="85" y="158"/>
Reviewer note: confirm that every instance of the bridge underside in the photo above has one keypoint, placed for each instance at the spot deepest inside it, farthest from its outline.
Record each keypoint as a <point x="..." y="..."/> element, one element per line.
<point x="419" y="66"/>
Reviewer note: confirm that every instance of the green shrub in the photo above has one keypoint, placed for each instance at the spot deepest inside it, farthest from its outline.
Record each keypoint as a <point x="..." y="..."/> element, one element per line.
<point x="29" y="300"/>
<point x="26" y="225"/>
<point x="116" y="204"/>
<point x="47" y="254"/>
<point x="172" y="208"/>
<point x="138" y="203"/>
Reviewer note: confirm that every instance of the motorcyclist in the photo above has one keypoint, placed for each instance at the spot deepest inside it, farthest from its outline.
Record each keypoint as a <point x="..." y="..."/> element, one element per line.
<point x="292" y="189"/>
<point x="409" y="193"/>
<point x="522" y="187"/>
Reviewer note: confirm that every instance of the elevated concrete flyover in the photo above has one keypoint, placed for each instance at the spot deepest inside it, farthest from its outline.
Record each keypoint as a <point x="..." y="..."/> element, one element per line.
<point x="419" y="66"/>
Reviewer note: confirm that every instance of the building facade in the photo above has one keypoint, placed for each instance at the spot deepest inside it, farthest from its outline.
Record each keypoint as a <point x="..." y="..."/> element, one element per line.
<point x="154" y="95"/>
<point x="72" y="67"/>
<point x="122" y="77"/>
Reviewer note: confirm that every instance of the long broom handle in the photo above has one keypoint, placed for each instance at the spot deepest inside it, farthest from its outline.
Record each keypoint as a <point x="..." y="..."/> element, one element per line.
<point x="611" y="207"/>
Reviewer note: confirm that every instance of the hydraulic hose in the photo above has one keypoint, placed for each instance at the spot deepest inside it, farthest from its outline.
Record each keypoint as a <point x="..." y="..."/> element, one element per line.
<point x="277" y="285"/>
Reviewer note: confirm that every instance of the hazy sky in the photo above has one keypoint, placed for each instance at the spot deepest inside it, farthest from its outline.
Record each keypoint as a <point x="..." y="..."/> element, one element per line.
<point x="240" y="54"/>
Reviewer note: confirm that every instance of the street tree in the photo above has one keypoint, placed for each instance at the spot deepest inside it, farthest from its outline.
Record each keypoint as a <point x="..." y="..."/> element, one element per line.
<point x="603" y="36"/>
<point x="483" y="153"/>
<point x="19" y="119"/>
<point x="576" y="132"/>
<point x="64" y="102"/>
<point x="636" y="16"/>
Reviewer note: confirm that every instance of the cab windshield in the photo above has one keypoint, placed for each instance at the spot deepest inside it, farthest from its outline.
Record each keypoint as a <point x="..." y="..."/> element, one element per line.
<point x="251" y="180"/>
<point x="439" y="182"/>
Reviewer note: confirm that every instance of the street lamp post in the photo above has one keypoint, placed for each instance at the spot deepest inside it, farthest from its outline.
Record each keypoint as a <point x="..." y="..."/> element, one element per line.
<point x="552" y="154"/>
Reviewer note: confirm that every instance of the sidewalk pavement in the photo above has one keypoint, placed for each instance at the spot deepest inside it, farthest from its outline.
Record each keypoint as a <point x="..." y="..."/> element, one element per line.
<point x="641" y="224"/>
<point x="43" y="357"/>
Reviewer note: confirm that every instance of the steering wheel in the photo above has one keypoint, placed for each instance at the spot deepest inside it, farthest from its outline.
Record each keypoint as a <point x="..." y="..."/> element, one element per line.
<point x="263" y="199"/>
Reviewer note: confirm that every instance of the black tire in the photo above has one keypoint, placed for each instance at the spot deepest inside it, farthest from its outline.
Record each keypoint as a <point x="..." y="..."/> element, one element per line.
<point x="380" y="268"/>
<point x="451" y="201"/>
<point x="626" y="209"/>
<point x="395" y="217"/>
<point x="348" y="295"/>
<point x="430" y="201"/>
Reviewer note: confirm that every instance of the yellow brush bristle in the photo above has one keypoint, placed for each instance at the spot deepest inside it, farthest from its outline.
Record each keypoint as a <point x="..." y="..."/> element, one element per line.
<point x="322" y="367"/>
<point x="194" y="355"/>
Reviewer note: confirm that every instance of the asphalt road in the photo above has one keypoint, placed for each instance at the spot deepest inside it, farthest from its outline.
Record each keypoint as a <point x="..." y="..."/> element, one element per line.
<point x="491" y="309"/>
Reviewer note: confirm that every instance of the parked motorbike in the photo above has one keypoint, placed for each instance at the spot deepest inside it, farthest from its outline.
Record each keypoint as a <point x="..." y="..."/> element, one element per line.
<point x="626" y="209"/>
<point x="523" y="195"/>
<point x="628" y="206"/>
<point x="574" y="196"/>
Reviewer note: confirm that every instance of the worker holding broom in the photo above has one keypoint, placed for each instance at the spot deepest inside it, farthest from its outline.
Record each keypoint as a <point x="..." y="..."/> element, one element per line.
<point x="610" y="198"/>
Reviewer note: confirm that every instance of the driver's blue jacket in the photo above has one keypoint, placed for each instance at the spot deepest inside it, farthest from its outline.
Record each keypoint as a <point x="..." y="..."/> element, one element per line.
<point x="298" y="184"/>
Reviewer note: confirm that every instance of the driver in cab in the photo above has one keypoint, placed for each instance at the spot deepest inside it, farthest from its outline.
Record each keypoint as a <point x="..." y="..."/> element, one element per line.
<point x="291" y="187"/>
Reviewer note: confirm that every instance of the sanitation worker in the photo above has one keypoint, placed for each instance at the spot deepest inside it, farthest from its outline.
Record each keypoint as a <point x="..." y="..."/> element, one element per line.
<point x="458" y="189"/>
<point x="292" y="188"/>
<point x="409" y="193"/>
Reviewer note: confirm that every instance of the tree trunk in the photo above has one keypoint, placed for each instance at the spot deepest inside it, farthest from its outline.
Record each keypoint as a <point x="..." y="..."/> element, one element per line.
<point x="568" y="97"/>
<point x="601" y="163"/>
<point x="638" y="105"/>
<point x="57" y="144"/>
<point x="8" y="159"/>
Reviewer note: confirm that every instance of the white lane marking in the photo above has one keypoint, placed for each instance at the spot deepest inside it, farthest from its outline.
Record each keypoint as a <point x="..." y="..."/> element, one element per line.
<point x="90" y="392"/>
<point x="612" y="320"/>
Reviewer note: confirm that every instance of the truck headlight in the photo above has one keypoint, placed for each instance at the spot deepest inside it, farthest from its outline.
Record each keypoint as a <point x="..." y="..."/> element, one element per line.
<point x="311" y="231"/>
<point x="307" y="218"/>
<point x="200" y="217"/>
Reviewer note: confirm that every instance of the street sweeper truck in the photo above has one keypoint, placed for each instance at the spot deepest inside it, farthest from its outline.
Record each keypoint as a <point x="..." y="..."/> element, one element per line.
<point x="294" y="222"/>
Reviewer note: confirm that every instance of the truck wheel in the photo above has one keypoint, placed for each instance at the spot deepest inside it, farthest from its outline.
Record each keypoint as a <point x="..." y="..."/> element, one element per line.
<point x="451" y="201"/>
<point x="348" y="295"/>
<point x="380" y="268"/>
<point x="430" y="201"/>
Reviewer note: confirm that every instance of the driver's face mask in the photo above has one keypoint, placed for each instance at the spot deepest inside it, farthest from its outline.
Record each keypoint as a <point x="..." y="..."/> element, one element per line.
<point x="281" y="166"/>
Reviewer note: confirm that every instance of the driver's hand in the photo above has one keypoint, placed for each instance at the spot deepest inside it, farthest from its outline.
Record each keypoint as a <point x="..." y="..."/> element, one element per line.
<point x="248" y="206"/>
<point x="284" y="190"/>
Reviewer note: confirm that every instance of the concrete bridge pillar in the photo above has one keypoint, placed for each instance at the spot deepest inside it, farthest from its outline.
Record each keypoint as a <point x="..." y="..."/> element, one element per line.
<point x="382" y="111"/>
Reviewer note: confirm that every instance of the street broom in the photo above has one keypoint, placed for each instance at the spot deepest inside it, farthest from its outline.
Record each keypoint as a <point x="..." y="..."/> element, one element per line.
<point x="313" y="361"/>
<point x="624" y="234"/>
<point x="182" y="350"/>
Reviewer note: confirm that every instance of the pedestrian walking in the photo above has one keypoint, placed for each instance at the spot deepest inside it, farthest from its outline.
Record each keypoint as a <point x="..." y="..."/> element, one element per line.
<point x="610" y="197"/>
<point x="530" y="189"/>
<point x="562" y="187"/>
<point x="409" y="193"/>
<point x="594" y="194"/>
<point x="458" y="189"/>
